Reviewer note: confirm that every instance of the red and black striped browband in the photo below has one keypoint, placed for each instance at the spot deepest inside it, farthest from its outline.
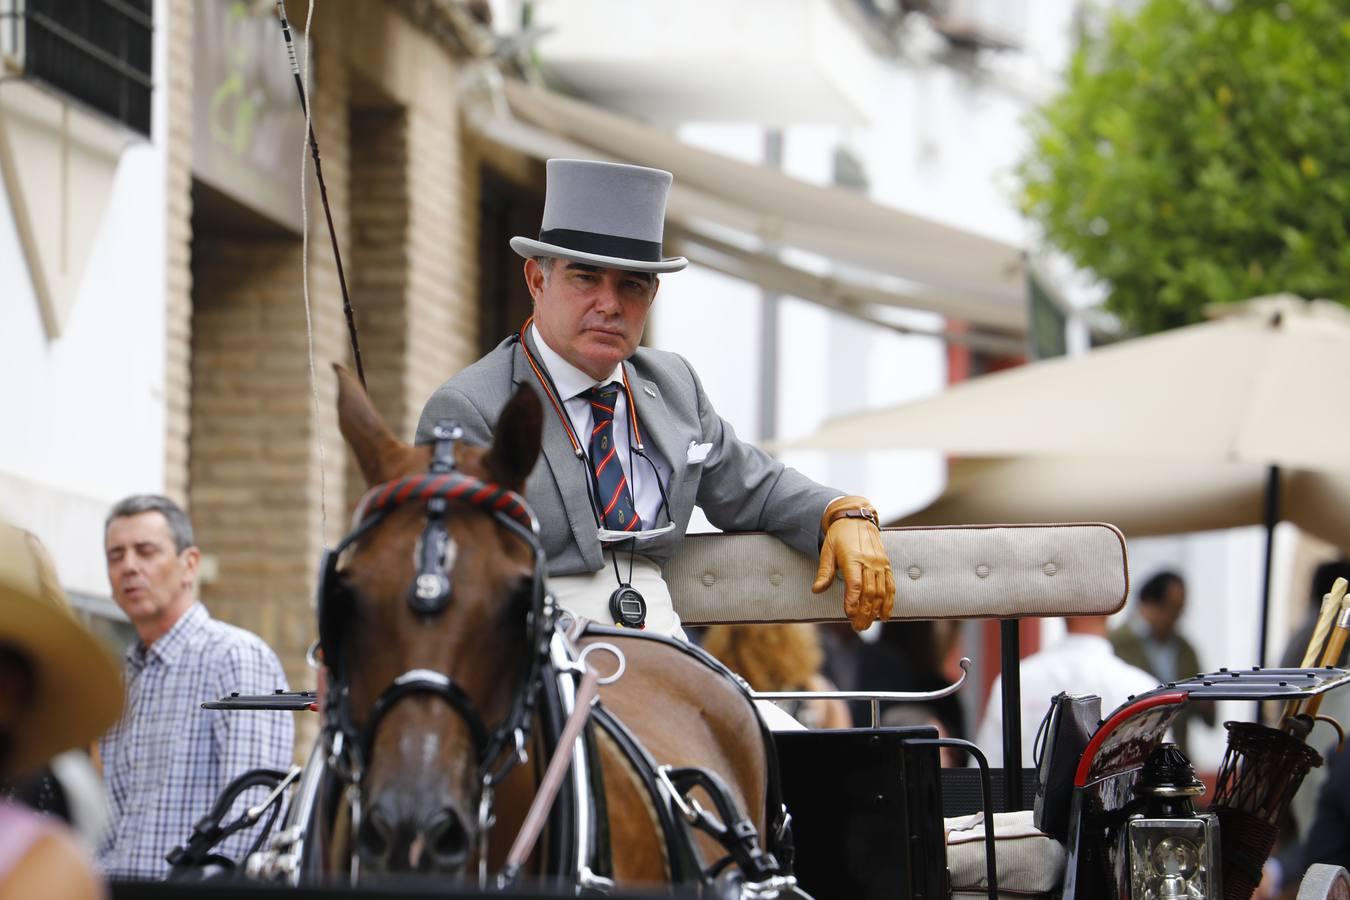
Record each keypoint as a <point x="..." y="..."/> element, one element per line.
<point x="485" y="495"/>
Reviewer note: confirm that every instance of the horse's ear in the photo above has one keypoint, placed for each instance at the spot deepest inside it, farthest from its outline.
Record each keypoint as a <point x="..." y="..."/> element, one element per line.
<point x="380" y="454"/>
<point x="515" y="445"/>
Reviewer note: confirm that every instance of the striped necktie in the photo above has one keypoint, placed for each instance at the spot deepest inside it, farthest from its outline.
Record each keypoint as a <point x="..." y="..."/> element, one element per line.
<point x="615" y="499"/>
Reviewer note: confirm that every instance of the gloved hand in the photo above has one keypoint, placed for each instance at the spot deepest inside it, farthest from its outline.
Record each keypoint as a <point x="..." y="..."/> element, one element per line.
<point x="852" y="546"/>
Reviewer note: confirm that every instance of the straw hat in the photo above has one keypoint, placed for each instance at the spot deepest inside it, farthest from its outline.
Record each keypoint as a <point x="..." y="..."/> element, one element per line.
<point x="78" y="685"/>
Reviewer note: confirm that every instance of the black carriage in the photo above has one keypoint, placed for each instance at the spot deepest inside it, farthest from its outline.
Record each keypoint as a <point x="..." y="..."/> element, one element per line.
<point x="896" y="824"/>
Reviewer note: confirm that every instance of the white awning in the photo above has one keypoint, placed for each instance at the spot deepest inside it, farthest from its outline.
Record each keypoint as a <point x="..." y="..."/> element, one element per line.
<point x="733" y="216"/>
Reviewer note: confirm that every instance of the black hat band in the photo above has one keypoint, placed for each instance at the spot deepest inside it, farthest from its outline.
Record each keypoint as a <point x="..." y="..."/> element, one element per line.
<point x="598" y="244"/>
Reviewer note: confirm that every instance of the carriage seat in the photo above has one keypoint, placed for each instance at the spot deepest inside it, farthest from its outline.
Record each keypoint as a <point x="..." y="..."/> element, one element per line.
<point x="958" y="572"/>
<point x="1030" y="862"/>
<point x="954" y="572"/>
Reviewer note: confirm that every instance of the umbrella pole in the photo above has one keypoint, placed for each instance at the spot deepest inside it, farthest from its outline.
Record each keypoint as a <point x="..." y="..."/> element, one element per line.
<point x="1011" y="647"/>
<point x="1272" y="518"/>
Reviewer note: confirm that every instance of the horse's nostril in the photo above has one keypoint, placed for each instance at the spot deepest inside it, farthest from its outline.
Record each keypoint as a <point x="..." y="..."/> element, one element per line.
<point x="447" y="839"/>
<point x="376" y="835"/>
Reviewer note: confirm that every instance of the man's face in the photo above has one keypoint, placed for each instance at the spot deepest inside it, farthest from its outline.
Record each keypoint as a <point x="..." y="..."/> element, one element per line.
<point x="1163" y="617"/>
<point x="592" y="317"/>
<point x="151" y="581"/>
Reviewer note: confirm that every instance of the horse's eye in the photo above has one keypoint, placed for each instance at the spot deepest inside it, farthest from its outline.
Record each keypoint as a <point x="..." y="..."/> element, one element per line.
<point x="522" y="595"/>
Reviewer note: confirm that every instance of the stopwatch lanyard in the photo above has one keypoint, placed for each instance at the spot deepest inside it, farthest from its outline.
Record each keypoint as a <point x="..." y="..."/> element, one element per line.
<point x="635" y="443"/>
<point x="556" y="400"/>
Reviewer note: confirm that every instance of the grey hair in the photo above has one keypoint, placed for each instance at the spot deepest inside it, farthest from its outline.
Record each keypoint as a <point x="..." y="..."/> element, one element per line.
<point x="545" y="264"/>
<point x="179" y="524"/>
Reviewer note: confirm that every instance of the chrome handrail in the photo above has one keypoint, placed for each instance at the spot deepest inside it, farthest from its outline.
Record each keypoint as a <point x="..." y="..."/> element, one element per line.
<point x="874" y="698"/>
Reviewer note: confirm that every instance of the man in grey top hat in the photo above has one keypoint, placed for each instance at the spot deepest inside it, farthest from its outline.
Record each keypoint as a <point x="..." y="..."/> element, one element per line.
<point x="631" y="442"/>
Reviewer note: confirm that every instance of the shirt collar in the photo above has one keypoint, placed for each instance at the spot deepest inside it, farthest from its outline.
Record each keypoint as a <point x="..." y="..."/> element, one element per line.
<point x="567" y="378"/>
<point x="171" y="645"/>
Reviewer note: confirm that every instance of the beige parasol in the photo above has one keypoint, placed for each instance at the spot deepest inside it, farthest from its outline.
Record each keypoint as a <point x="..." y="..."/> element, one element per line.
<point x="1140" y="497"/>
<point x="1264" y="384"/>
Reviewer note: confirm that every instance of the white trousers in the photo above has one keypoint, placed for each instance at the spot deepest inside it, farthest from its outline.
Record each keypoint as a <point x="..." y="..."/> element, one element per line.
<point x="587" y="596"/>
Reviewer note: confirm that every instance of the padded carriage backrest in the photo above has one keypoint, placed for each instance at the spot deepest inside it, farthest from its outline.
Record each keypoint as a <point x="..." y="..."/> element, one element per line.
<point x="953" y="572"/>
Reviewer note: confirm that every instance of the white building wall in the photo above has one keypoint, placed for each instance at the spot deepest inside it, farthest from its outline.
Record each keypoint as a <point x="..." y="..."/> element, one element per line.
<point x="84" y="412"/>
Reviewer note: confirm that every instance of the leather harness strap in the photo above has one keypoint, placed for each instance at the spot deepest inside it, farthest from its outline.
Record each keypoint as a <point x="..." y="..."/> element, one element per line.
<point x="682" y="856"/>
<point x="777" y="841"/>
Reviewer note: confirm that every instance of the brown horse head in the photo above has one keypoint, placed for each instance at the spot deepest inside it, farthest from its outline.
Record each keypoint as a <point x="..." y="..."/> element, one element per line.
<point x="422" y="782"/>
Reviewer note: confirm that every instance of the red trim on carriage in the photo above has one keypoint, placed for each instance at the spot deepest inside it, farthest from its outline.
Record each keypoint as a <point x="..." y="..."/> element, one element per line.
<point x="1119" y="718"/>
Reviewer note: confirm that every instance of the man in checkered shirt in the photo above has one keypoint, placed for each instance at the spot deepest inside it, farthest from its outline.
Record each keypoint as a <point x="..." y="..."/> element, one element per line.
<point x="168" y="759"/>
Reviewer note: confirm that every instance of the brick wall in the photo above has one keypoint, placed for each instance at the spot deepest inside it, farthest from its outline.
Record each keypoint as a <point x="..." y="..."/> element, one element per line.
<point x="379" y="278"/>
<point x="443" y="262"/>
<point x="269" y="482"/>
<point x="178" y="318"/>
<point x="254" y="467"/>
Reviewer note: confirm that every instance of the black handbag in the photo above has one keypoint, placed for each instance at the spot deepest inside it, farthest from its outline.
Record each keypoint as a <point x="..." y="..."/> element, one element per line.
<point x="1060" y="742"/>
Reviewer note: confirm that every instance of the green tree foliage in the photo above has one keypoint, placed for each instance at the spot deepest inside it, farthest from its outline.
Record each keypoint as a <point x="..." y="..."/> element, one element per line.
<point x="1200" y="153"/>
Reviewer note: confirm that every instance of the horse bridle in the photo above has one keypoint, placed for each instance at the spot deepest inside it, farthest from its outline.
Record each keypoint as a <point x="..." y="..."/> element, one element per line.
<point x="429" y="595"/>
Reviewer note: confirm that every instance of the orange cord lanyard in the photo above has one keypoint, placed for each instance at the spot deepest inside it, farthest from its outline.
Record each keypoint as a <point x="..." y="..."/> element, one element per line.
<point x="556" y="400"/>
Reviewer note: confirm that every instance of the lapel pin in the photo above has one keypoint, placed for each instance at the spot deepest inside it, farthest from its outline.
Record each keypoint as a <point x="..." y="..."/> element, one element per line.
<point x="650" y="391"/>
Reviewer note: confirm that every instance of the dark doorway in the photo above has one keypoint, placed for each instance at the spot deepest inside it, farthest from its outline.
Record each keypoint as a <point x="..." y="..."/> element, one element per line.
<point x="506" y="209"/>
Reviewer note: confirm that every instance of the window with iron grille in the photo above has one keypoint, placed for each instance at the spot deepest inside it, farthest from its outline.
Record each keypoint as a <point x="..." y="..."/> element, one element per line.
<point x="96" y="51"/>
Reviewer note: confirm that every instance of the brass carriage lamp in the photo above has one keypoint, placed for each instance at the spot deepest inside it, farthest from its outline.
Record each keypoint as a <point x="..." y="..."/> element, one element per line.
<point x="1171" y="850"/>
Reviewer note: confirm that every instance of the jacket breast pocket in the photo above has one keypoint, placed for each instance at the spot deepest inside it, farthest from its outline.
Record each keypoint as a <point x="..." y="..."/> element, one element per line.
<point x="696" y="456"/>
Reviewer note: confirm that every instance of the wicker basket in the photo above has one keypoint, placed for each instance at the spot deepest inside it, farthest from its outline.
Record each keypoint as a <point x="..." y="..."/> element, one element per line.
<point x="1262" y="769"/>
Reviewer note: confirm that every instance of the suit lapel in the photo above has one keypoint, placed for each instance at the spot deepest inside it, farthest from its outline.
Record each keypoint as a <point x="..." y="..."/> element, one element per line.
<point x="567" y="469"/>
<point x="657" y="424"/>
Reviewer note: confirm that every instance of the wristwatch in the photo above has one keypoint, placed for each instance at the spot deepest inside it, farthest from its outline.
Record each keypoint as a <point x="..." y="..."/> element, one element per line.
<point x="864" y="512"/>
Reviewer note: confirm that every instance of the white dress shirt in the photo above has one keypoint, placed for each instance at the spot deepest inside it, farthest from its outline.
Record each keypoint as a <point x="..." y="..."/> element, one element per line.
<point x="1079" y="664"/>
<point x="570" y="382"/>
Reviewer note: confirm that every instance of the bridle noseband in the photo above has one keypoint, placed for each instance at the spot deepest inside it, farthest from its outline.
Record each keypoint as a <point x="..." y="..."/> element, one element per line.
<point x="497" y="750"/>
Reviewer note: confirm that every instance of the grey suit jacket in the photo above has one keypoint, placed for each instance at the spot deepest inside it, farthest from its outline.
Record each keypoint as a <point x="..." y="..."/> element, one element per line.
<point x="739" y="486"/>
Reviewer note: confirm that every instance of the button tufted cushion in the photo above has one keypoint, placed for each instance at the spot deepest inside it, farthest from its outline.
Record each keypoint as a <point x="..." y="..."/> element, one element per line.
<point x="962" y="572"/>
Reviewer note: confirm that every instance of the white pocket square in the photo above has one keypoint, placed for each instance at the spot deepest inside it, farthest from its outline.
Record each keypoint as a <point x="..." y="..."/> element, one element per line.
<point x="697" y="452"/>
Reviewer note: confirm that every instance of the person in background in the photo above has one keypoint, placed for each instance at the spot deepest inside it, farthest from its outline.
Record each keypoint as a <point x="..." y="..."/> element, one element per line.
<point x="1149" y="640"/>
<point x="1327" y="840"/>
<point x="843" y="654"/>
<point x="59" y="690"/>
<point x="168" y="759"/>
<point x="780" y="657"/>
<point x="70" y="788"/>
<point x="1082" y="663"/>
<point x="1324" y="576"/>
<point x="912" y="656"/>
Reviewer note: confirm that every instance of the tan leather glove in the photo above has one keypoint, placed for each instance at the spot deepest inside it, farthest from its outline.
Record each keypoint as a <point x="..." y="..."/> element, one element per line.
<point x="852" y="546"/>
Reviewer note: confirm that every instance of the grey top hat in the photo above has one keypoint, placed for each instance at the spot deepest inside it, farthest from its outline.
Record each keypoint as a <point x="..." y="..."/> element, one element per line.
<point x="605" y="214"/>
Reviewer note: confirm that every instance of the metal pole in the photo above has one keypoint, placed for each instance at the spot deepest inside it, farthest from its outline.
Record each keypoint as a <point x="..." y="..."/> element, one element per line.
<point x="768" y="318"/>
<point x="1011" y="644"/>
<point x="1272" y="518"/>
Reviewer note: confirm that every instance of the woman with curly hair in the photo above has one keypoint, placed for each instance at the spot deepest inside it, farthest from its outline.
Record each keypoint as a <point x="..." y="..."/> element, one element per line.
<point x="782" y="657"/>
